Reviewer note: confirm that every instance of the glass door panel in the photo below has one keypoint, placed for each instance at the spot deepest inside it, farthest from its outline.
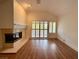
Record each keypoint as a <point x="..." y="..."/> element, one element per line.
<point x="45" y="25"/>
<point x="41" y="25"/>
<point x="33" y="33"/>
<point x="45" y="33"/>
<point x="33" y="26"/>
<point x="37" y="24"/>
<point x="41" y="33"/>
<point x="37" y="33"/>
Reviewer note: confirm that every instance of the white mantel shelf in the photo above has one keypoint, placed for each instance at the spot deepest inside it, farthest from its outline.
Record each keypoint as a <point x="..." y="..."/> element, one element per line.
<point x="17" y="46"/>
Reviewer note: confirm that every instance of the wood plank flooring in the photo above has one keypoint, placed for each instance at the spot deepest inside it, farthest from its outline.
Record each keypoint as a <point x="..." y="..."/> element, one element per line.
<point x="46" y="49"/>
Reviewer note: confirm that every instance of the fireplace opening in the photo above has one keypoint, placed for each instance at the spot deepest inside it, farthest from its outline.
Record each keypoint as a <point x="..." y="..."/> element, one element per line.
<point x="12" y="37"/>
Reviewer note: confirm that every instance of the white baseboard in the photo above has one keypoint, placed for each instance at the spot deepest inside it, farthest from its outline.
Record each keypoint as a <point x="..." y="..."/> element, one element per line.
<point x="63" y="40"/>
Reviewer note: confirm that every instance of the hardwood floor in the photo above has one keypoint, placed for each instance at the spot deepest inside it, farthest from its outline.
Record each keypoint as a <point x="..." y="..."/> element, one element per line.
<point x="46" y="49"/>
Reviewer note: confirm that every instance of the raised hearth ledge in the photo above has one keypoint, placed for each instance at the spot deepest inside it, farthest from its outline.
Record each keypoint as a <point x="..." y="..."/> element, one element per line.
<point x="17" y="46"/>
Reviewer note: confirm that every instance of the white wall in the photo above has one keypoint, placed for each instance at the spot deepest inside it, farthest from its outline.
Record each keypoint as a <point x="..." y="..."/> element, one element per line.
<point x="6" y="14"/>
<point x="20" y="15"/>
<point x="67" y="27"/>
<point x="20" y="19"/>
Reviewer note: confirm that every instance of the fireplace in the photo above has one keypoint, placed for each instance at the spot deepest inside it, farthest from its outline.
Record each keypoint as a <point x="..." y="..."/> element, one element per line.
<point x="12" y="37"/>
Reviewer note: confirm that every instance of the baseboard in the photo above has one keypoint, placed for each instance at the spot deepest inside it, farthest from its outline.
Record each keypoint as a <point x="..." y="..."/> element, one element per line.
<point x="61" y="39"/>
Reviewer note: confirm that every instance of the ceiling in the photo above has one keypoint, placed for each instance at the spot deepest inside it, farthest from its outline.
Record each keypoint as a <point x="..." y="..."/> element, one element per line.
<point x="56" y="7"/>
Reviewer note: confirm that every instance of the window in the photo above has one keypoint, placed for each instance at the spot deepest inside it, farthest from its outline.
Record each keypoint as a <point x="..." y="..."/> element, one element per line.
<point x="52" y="27"/>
